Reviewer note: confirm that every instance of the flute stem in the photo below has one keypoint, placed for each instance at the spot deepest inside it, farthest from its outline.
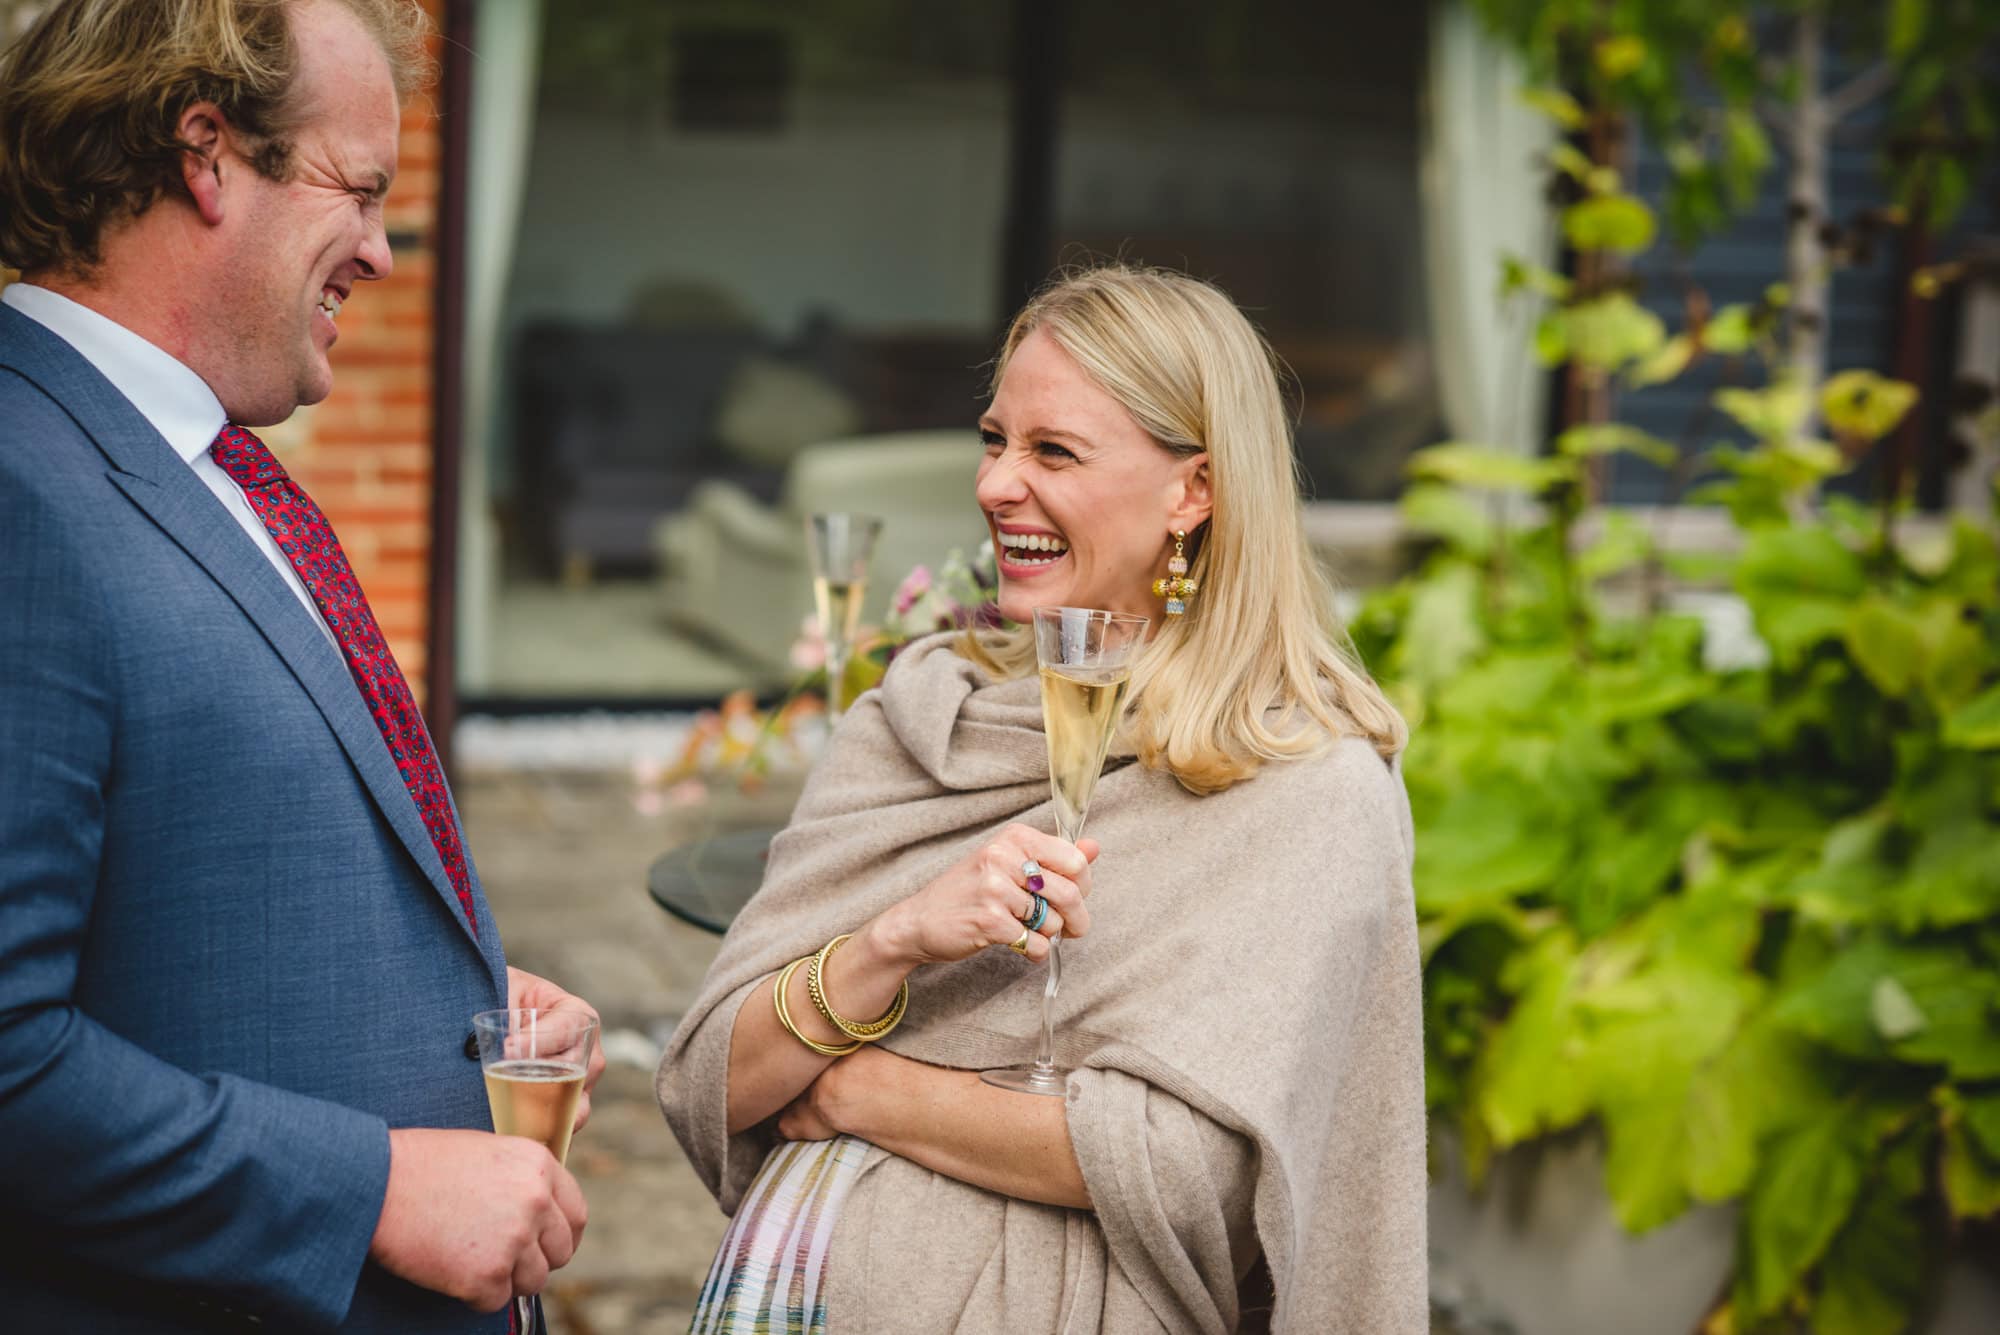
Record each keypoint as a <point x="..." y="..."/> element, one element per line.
<point x="1045" y="1056"/>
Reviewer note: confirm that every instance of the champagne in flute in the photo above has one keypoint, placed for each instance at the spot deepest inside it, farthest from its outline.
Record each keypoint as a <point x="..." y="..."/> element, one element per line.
<point x="839" y="604"/>
<point x="1086" y="661"/>
<point x="839" y="546"/>
<point x="1080" y="711"/>
<point x="535" y="1099"/>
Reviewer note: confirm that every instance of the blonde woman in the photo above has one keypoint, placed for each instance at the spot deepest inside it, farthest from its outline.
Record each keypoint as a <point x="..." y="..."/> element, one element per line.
<point x="1241" y="1003"/>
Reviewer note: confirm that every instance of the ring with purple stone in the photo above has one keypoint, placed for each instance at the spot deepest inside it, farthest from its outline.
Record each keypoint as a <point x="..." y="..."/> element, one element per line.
<point x="1038" y="913"/>
<point x="1033" y="871"/>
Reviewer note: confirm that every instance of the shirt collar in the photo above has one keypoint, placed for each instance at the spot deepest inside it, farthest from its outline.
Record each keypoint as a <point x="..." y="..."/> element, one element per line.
<point x="177" y="402"/>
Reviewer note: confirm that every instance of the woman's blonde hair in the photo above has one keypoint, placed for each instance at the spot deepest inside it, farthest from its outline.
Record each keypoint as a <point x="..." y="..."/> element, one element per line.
<point x="91" y="96"/>
<point x="1259" y="669"/>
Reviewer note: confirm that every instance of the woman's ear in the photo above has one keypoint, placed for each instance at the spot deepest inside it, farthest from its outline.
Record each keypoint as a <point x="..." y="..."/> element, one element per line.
<point x="1197" y="501"/>
<point x="204" y="133"/>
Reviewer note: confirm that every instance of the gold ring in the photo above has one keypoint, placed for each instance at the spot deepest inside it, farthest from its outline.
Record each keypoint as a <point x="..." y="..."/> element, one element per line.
<point x="1020" y="947"/>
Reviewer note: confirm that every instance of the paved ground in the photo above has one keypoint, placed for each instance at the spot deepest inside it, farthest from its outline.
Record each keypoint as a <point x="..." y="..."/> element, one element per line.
<point x="564" y="858"/>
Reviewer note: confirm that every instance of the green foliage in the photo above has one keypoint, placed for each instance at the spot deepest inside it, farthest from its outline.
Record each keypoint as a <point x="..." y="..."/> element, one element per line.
<point x="1745" y="920"/>
<point x="1737" y="909"/>
<point x="1701" y="75"/>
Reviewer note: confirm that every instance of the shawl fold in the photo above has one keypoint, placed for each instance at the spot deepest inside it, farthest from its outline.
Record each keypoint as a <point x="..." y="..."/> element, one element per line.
<point x="1244" y="1019"/>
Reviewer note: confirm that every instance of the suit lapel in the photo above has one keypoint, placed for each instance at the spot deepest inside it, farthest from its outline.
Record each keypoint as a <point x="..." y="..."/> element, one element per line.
<point x="166" y="490"/>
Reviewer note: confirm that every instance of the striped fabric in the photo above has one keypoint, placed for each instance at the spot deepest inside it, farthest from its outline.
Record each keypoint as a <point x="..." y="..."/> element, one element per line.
<point x="765" y="1279"/>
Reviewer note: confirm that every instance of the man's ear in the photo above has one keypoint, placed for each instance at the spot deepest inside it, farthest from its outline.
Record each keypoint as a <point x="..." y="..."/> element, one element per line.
<point x="205" y="133"/>
<point x="1197" y="501"/>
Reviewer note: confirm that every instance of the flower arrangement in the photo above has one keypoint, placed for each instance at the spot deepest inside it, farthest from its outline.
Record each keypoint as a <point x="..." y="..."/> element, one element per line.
<point x="741" y="744"/>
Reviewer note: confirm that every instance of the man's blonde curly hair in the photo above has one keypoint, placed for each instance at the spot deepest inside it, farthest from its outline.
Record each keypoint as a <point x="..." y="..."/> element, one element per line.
<point x="91" y="95"/>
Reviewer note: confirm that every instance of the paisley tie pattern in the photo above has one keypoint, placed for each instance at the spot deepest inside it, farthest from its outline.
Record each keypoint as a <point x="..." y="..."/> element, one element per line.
<point x="308" y="542"/>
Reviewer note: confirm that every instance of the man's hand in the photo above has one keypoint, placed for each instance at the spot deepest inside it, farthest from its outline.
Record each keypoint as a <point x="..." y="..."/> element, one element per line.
<point x="527" y="992"/>
<point x="476" y="1216"/>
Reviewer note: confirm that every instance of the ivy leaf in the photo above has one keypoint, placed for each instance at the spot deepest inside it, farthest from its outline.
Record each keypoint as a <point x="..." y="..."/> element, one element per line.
<point x="1440" y="511"/>
<point x="1803" y="1193"/>
<point x="1946" y="985"/>
<point x="1765" y="1080"/>
<point x="1860" y="405"/>
<point x="1848" y="884"/>
<point x="1509" y="686"/>
<point x="1595" y="438"/>
<point x="1551" y="339"/>
<point x="1571" y="161"/>
<point x="1622" y="544"/>
<point x="1619" y="223"/>
<point x="1558" y="105"/>
<point x="1654" y="1032"/>
<point x="1488" y="468"/>
<point x="1663" y="365"/>
<point x="1798" y="582"/>
<point x="1955" y="658"/>
<point x="1799" y="560"/>
<point x="1982" y="1117"/>
<point x="1518" y="275"/>
<point x="1953" y="875"/>
<point x="1729" y="332"/>
<point x="1888" y="643"/>
<point x="1618" y="56"/>
<point x="1442" y="632"/>
<point x="1775" y="413"/>
<point x="1974" y="569"/>
<point x="1971" y="1176"/>
<point x="1792" y="625"/>
<point x="1533" y="1078"/>
<point x="1875" y="1272"/>
<point x="1746" y="153"/>
<point x="1482" y="845"/>
<point x="1976" y="727"/>
<point x="1606" y="332"/>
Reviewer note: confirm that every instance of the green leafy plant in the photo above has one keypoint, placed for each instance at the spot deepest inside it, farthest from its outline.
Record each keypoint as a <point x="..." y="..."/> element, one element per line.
<point x="1746" y="918"/>
<point x="1736" y="905"/>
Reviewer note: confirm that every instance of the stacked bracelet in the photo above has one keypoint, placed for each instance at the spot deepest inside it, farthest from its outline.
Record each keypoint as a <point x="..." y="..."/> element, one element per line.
<point x="785" y="1016"/>
<point x="860" y="1032"/>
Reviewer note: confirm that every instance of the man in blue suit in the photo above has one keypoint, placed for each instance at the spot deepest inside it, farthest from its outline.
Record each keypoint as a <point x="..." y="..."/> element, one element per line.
<point x="240" y="940"/>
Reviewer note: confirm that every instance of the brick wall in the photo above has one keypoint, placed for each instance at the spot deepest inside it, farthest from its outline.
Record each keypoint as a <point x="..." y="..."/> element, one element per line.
<point x="365" y="453"/>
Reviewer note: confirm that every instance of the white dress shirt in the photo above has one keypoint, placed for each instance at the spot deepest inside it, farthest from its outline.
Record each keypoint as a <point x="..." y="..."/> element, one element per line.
<point x="177" y="402"/>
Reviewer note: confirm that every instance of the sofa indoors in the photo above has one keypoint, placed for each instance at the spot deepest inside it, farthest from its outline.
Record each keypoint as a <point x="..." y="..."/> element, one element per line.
<point x="733" y="570"/>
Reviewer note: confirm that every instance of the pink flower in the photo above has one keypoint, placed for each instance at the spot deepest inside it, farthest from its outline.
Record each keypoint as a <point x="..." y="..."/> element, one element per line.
<point x="913" y="587"/>
<point x="809" y="650"/>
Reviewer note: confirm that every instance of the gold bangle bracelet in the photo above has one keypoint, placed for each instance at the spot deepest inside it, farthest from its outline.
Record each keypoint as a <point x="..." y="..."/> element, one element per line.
<point x="785" y="1015"/>
<point x="860" y="1033"/>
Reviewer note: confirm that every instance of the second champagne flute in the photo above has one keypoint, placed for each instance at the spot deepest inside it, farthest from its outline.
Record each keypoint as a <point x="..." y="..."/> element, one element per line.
<point x="839" y="546"/>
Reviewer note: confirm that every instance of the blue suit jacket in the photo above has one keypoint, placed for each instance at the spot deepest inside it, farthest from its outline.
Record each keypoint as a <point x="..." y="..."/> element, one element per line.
<point x="229" y="956"/>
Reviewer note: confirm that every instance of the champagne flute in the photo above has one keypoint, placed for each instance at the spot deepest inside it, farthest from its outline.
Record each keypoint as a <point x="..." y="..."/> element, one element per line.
<point x="534" y="1062"/>
<point x="1086" y="661"/>
<point x="840" y="546"/>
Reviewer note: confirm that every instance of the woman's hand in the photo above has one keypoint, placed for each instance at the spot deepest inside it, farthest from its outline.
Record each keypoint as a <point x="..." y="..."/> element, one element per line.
<point x="984" y="900"/>
<point x="837" y="1102"/>
<point x="818" y="1113"/>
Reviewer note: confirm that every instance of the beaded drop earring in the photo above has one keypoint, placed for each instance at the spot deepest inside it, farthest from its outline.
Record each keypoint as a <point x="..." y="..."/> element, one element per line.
<point x="1176" y="588"/>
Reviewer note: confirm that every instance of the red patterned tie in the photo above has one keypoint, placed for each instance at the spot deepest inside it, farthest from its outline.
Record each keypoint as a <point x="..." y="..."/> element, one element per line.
<point x="308" y="542"/>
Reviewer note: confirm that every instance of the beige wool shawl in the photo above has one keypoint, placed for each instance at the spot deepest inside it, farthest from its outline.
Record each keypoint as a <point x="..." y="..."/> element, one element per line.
<point x="1245" y="1015"/>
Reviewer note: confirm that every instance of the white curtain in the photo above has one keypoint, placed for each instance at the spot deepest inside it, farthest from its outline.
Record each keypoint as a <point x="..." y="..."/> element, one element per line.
<point x="1482" y="192"/>
<point x="507" y="45"/>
